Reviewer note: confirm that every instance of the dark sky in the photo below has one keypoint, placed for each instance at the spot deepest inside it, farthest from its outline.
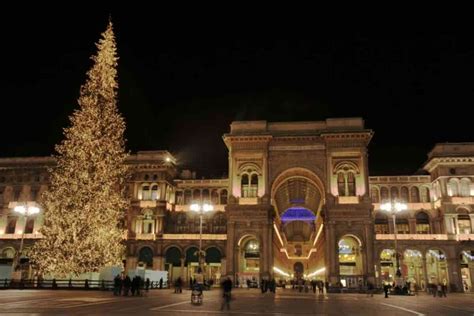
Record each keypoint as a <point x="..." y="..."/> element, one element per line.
<point x="183" y="81"/>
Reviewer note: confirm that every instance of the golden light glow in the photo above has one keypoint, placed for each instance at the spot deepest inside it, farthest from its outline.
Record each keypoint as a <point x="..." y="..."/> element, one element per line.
<point x="298" y="258"/>
<point x="280" y="271"/>
<point x="319" y="271"/>
<point x="278" y="234"/>
<point x="317" y="235"/>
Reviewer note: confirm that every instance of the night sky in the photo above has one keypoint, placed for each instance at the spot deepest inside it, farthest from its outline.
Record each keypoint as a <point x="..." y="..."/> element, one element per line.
<point x="183" y="81"/>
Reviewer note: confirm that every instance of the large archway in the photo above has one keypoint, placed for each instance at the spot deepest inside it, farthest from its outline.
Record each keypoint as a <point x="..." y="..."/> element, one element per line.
<point x="173" y="263"/>
<point x="213" y="264"/>
<point x="249" y="259"/>
<point x="297" y="195"/>
<point x="350" y="261"/>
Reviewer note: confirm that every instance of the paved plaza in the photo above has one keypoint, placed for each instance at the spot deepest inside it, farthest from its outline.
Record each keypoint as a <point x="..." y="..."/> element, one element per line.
<point x="246" y="302"/>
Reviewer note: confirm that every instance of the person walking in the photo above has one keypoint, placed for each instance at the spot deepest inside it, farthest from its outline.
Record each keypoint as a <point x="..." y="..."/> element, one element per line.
<point x="385" y="289"/>
<point x="370" y="289"/>
<point x="226" y="297"/>
<point x="161" y="283"/>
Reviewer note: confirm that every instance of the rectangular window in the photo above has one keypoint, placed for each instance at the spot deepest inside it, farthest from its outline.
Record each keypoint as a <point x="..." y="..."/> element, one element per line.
<point x="11" y="224"/>
<point x="403" y="229"/>
<point x="464" y="226"/>
<point x="422" y="228"/>
<point x="30" y="224"/>
<point x="381" y="229"/>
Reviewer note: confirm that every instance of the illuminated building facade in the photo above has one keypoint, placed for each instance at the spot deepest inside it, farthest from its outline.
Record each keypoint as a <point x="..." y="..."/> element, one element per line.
<point x="298" y="202"/>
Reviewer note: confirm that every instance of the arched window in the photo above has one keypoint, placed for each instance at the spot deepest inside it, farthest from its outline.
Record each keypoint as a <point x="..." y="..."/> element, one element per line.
<point x="465" y="187"/>
<point x="11" y="224"/>
<point x="219" y="223"/>
<point x="179" y="198"/>
<point x="148" y="222"/>
<point x="181" y="222"/>
<point x="422" y="223"/>
<point x="453" y="187"/>
<point x="224" y="197"/>
<point x="384" y="196"/>
<point x="464" y="224"/>
<point x="341" y="184"/>
<point x="173" y="256"/>
<point x="154" y="192"/>
<point x="214" y="197"/>
<point x="394" y="193"/>
<point x="197" y="196"/>
<point x="205" y="196"/>
<point x="414" y="195"/>
<point x="146" y="256"/>
<point x="402" y="226"/>
<point x="187" y="197"/>
<point x="381" y="224"/>
<point x="253" y="185"/>
<point x="351" y="184"/>
<point x="404" y="194"/>
<point x="374" y="195"/>
<point x="425" y="194"/>
<point x="244" y="185"/>
<point x="30" y="224"/>
<point x="146" y="193"/>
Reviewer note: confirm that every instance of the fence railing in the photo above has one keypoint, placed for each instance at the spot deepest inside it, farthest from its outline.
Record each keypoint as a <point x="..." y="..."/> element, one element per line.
<point x="65" y="284"/>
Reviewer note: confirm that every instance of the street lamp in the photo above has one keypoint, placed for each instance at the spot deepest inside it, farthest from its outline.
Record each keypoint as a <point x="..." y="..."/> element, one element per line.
<point x="394" y="208"/>
<point x="201" y="209"/>
<point x="25" y="210"/>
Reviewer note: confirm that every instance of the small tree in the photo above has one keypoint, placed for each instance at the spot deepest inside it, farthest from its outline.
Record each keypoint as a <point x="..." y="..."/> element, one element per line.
<point x="84" y="204"/>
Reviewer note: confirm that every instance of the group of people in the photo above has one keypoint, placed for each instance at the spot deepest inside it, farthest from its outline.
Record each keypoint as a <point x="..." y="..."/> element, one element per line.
<point x="123" y="284"/>
<point x="305" y="285"/>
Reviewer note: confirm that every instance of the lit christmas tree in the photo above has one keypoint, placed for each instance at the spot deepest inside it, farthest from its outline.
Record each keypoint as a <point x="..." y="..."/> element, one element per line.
<point x="84" y="205"/>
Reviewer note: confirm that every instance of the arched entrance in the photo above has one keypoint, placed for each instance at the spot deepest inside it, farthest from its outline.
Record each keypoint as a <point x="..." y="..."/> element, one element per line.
<point x="436" y="267"/>
<point x="173" y="263"/>
<point x="350" y="261"/>
<point x="412" y="268"/>
<point x="467" y="270"/>
<point x="213" y="262"/>
<point x="192" y="262"/>
<point x="145" y="257"/>
<point x="387" y="265"/>
<point x="249" y="260"/>
<point x="298" y="269"/>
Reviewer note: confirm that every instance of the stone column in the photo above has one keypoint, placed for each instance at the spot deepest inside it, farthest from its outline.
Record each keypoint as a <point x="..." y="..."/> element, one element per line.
<point x="131" y="264"/>
<point x="157" y="262"/>
<point x="391" y="228"/>
<point x="448" y="221"/>
<point x="181" y="270"/>
<point x="454" y="274"/>
<point x="412" y="225"/>
<point x="472" y="223"/>
<point x="3" y="223"/>
<point x="230" y="249"/>
<point x="162" y="187"/>
<point x="425" y="271"/>
<point x="332" y="249"/>
<point x="369" y="250"/>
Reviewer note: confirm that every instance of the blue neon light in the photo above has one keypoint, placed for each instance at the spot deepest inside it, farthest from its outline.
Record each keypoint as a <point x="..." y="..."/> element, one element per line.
<point x="297" y="214"/>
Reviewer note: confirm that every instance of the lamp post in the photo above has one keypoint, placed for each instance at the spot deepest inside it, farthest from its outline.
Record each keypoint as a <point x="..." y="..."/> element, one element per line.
<point x="25" y="210"/>
<point x="201" y="209"/>
<point x="393" y="209"/>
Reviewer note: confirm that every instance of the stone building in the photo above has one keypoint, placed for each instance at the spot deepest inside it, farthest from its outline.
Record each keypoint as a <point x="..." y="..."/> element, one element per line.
<point x="298" y="202"/>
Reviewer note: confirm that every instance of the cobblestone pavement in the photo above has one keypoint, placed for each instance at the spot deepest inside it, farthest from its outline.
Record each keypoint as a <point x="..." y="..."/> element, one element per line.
<point x="245" y="302"/>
